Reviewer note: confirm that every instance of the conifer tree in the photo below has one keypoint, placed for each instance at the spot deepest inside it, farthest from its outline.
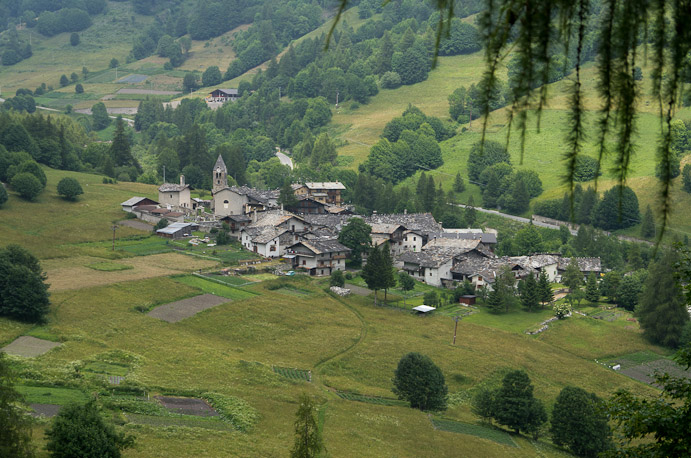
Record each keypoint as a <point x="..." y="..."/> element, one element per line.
<point x="648" y="224"/>
<point x="458" y="184"/>
<point x="371" y="273"/>
<point x="529" y="294"/>
<point x="592" y="292"/>
<point x="469" y="214"/>
<point x="544" y="288"/>
<point x="308" y="438"/>
<point x="120" y="148"/>
<point x="388" y="279"/>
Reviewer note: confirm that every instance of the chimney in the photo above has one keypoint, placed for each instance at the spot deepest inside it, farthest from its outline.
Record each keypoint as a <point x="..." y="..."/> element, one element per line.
<point x="254" y="216"/>
<point x="281" y="209"/>
<point x="182" y="180"/>
<point x="405" y="211"/>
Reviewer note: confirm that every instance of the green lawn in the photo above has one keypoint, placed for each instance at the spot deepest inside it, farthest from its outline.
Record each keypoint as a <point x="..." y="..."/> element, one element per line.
<point x="51" y="395"/>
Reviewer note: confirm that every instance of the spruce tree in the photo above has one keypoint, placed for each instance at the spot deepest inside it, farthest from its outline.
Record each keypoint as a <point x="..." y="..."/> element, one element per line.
<point x="592" y="292"/>
<point x="120" y="148"/>
<point x="469" y="214"/>
<point x="572" y="278"/>
<point x="494" y="301"/>
<point x="544" y="288"/>
<point x="529" y="293"/>
<point x="516" y="407"/>
<point x="388" y="279"/>
<point x="661" y="309"/>
<point x="458" y="184"/>
<point x="648" y="224"/>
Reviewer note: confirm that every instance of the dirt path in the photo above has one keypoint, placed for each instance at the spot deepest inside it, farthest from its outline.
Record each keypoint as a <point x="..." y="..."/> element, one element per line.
<point x="359" y="290"/>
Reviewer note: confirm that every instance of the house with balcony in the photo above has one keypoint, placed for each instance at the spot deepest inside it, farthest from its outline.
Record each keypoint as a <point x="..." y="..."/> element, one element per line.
<point x="318" y="257"/>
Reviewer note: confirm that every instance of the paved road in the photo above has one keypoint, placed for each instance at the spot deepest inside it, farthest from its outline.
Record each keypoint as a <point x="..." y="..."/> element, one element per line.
<point x="518" y="218"/>
<point x="285" y="160"/>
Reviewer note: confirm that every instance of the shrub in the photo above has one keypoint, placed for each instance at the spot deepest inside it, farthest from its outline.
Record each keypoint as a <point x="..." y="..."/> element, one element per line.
<point x="587" y="168"/>
<point x="390" y="80"/>
<point x="161" y="224"/>
<point x="337" y="279"/>
<point x="79" y="89"/>
<point x="74" y="39"/>
<point x="69" y="188"/>
<point x="26" y="185"/>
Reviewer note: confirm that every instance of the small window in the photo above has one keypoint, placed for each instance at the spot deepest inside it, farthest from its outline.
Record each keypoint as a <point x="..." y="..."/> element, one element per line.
<point x="414" y="239"/>
<point x="430" y="274"/>
<point x="273" y="248"/>
<point x="304" y="262"/>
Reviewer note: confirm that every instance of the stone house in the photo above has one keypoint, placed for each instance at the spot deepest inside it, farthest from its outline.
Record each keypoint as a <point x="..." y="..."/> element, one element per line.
<point x="318" y="257"/>
<point x="175" y="196"/>
<point x="326" y="192"/>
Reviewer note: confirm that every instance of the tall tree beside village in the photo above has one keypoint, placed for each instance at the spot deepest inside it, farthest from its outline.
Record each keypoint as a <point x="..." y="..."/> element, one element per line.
<point x="308" y="438"/>
<point x="648" y="224"/>
<point x="374" y="272"/>
<point x="388" y="278"/>
<point x="505" y="285"/>
<point x="287" y="196"/>
<point x="529" y="293"/>
<point x="662" y="308"/>
<point x="100" y="117"/>
<point x="470" y="214"/>
<point x="23" y="293"/>
<point x="516" y="407"/>
<point x="592" y="292"/>
<point x="356" y="236"/>
<point x="544" y="288"/>
<point x="323" y="152"/>
<point x="572" y="278"/>
<point x="120" y="149"/>
<point x="458" y="184"/>
<point x="419" y="381"/>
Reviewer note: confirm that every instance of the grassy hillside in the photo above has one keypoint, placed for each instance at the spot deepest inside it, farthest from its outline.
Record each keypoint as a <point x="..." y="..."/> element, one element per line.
<point x="246" y="346"/>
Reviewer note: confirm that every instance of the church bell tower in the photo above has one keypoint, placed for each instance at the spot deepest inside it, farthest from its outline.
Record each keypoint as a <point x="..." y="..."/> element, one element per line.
<point x="220" y="176"/>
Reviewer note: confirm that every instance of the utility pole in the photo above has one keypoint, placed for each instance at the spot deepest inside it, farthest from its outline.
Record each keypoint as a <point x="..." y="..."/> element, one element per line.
<point x="337" y="98"/>
<point x="456" y="318"/>
<point x="114" y="229"/>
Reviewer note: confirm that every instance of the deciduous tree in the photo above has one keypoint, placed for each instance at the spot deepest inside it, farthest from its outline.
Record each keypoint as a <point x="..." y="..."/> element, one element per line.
<point x="419" y="381"/>
<point x="406" y="282"/>
<point x="69" y="188"/>
<point x="356" y="236"/>
<point x="15" y="429"/>
<point x="80" y="431"/>
<point x="579" y="423"/>
<point x="516" y="407"/>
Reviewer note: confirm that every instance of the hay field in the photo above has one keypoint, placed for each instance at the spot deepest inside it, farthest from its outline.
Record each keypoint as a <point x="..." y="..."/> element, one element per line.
<point x="75" y="273"/>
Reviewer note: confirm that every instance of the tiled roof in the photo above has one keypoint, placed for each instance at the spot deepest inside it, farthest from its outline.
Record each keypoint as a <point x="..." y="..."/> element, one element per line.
<point x="274" y="218"/>
<point x="488" y="268"/>
<point x="332" y="221"/>
<point x="330" y="185"/>
<point x="384" y="228"/>
<point x="430" y="258"/>
<point x="584" y="264"/>
<point x="487" y="238"/>
<point x="324" y="246"/>
<point x="422" y="222"/>
<point x="134" y="201"/>
<point x="264" y="234"/>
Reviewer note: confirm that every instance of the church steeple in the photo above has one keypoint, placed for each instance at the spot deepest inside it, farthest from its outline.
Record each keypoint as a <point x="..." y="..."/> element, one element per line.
<point x="220" y="175"/>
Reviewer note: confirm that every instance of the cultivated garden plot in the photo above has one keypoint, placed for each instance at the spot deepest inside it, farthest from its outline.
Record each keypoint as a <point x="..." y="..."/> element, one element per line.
<point x="646" y="372"/>
<point x="29" y="346"/>
<point x="187" y="406"/>
<point x="44" y="410"/>
<point x="179" y="310"/>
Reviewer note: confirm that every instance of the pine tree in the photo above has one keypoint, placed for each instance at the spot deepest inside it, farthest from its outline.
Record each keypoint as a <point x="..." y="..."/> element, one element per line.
<point x="529" y="294"/>
<point x="544" y="288"/>
<point x="648" y="224"/>
<point x="573" y="278"/>
<point x="592" y="292"/>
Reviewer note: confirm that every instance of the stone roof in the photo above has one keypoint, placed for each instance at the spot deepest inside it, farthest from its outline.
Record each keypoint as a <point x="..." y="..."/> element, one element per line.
<point x="584" y="264"/>
<point x="260" y="195"/>
<point x="173" y="187"/>
<point x="488" y="268"/>
<point x="237" y="218"/>
<point x="332" y="221"/>
<point x="330" y="185"/>
<point x="427" y="258"/>
<point x="384" y="228"/>
<point x="420" y="222"/>
<point x="274" y="218"/>
<point x="323" y="246"/>
<point x="537" y="261"/>
<point x="264" y="234"/>
<point x="220" y="164"/>
<point x="320" y="233"/>
<point x="229" y="91"/>
<point x="487" y="238"/>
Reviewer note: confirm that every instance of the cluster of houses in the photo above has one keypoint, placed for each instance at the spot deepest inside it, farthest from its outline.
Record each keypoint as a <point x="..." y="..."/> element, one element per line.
<point x="307" y="235"/>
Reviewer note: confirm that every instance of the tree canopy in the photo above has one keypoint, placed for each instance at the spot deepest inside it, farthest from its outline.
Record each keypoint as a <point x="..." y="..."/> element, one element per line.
<point x="23" y="293"/>
<point x="579" y="422"/>
<point x="419" y="381"/>
<point x="15" y="429"/>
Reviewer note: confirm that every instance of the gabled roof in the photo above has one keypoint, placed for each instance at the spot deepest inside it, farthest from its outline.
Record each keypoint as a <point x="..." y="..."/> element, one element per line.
<point x="237" y="218"/>
<point x="423" y="223"/>
<point x="220" y="164"/>
<point x="330" y="185"/>
<point x="487" y="238"/>
<point x="259" y="195"/>
<point x="584" y="264"/>
<point x="385" y="228"/>
<point x="322" y="246"/>
<point x="430" y="258"/>
<point x="328" y="220"/>
<point x="173" y="187"/>
<point x="487" y="268"/>
<point x="227" y="91"/>
<point x="274" y="218"/>
<point x="537" y="261"/>
<point x="264" y="234"/>
<point x="174" y="227"/>
<point x="132" y="201"/>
